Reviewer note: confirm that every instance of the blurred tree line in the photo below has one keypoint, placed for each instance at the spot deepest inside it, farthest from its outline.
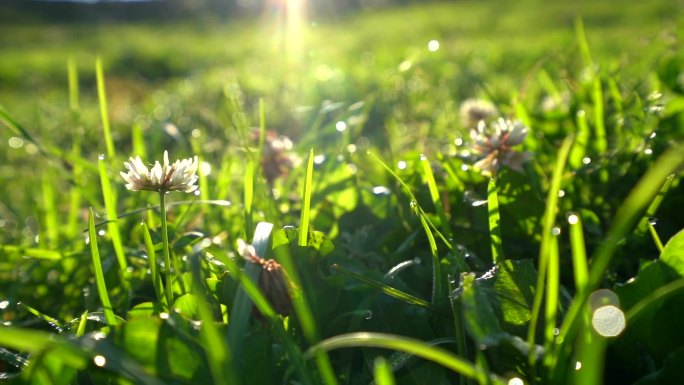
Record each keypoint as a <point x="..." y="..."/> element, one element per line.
<point x="31" y="11"/>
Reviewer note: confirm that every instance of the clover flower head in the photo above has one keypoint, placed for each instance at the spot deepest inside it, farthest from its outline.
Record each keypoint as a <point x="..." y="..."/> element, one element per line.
<point x="273" y="280"/>
<point x="474" y="111"/>
<point x="277" y="159"/>
<point x="492" y="145"/>
<point x="179" y="176"/>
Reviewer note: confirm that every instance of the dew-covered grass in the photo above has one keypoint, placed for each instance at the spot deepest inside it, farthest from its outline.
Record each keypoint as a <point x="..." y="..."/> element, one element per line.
<point x="350" y="225"/>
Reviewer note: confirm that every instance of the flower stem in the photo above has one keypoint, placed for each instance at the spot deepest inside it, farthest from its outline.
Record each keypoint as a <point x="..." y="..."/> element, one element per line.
<point x="165" y="247"/>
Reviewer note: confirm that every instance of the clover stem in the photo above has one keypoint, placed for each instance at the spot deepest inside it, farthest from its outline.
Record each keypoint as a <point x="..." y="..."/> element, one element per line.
<point x="165" y="247"/>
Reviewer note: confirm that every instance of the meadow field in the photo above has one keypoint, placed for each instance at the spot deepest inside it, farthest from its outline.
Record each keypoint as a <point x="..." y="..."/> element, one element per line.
<point x="466" y="192"/>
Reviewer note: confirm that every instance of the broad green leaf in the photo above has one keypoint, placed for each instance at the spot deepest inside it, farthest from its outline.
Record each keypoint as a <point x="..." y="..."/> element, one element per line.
<point x="673" y="253"/>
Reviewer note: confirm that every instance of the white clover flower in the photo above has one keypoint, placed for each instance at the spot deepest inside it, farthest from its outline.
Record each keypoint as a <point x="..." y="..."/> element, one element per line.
<point x="179" y="176"/>
<point x="474" y="111"/>
<point x="492" y="145"/>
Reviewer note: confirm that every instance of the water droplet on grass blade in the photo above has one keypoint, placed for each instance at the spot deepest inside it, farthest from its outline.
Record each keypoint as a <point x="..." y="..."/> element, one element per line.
<point x="99" y="360"/>
<point x="586" y="160"/>
<point x="341" y="126"/>
<point x="368" y="315"/>
<point x="381" y="190"/>
<point x="401" y="164"/>
<point x="516" y="381"/>
<point x="652" y="221"/>
<point x="556" y="231"/>
<point x="573" y="219"/>
<point x="318" y="159"/>
<point x="101" y="157"/>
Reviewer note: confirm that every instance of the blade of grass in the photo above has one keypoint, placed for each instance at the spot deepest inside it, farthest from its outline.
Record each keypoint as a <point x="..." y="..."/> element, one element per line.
<point x="82" y="323"/>
<point x="552" y="299"/>
<point x="37" y="341"/>
<point x="72" y="75"/>
<point x="242" y="307"/>
<point x="99" y="274"/>
<point x="138" y="141"/>
<point x="426" y="224"/>
<point x="579" y="255"/>
<point x="29" y="252"/>
<point x="249" y="199"/>
<point x="653" y="299"/>
<point x="154" y="269"/>
<point x="435" y="196"/>
<point x="50" y="213"/>
<point x="654" y="235"/>
<point x="104" y="113"/>
<point x="579" y="148"/>
<point x="382" y="372"/>
<point x="112" y="225"/>
<point x="545" y="249"/>
<point x="637" y="201"/>
<point x="582" y="43"/>
<point x="389" y="290"/>
<point x="494" y="221"/>
<point x="403" y="344"/>
<point x="218" y="352"/>
<point x="306" y="203"/>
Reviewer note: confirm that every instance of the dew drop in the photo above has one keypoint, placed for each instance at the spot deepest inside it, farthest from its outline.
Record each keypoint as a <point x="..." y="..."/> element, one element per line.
<point x="99" y="360"/>
<point x="578" y="365"/>
<point x="653" y="135"/>
<point x="423" y="157"/>
<point x="381" y="190"/>
<point x="368" y="315"/>
<point x="465" y="167"/>
<point x="351" y="148"/>
<point x="4" y="304"/>
<point x="164" y="315"/>
<point x="556" y="231"/>
<point x="318" y="159"/>
<point x="516" y="381"/>
<point x="458" y="142"/>
<point x="561" y="193"/>
<point x="101" y="157"/>
<point x="608" y="321"/>
<point x="573" y="219"/>
<point x="648" y="151"/>
<point x="101" y="232"/>
<point x="586" y="160"/>
<point x="401" y="165"/>
<point x="652" y="221"/>
<point x="433" y="45"/>
<point x="341" y="126"/>
<point x="413" y="204"/>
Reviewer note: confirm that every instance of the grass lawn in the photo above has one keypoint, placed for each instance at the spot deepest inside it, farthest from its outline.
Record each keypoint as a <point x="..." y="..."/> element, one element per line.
<point x="452" y="192"/>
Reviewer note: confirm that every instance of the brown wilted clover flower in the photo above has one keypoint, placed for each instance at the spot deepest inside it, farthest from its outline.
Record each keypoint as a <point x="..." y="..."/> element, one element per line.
<point x="273" y="280"/>
<point x="277" y="159"/>
<point x="473" y="111"/>
<point x="492" y="145"/>
<point x="179" y="176"/>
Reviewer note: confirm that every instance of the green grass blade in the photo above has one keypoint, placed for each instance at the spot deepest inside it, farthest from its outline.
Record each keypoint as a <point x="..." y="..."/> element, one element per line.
<point x="249" y="199"/>
<point x="389" y="290"/>
<point x="82" y="323"/>
<point x="654" y="235"/>
<point x="552" y="299"/>
<point x="494" y="222"/>
<point x="247" y="292"/>
<point x="138" y="141"/>
<point x="29" y="252"/>
<point x="600" y="141"/>
<point x="306" y="203"/>
<point x="382" y="372"/>
<point x="406" y="345"/>
<point x="545" y="249"/>
<point x="579" y="255"/>
<point x="72" y="72"/>
<point x="582" y="43"/>
<point x="579" y="148"/>
<point x="426" y="224"/>
<point x="218" y="352"/>
<point x="50" y="212"/>
<point x="37" y="341"/>
<point x="154" y="269"/>
<point x="99" y="274"/>
<point x="653" y="299"/>
<point x="112" y="225"/>
<point x="104" y="112"/>
<point x="301" y="305"/>
<point x="435" y="196"/>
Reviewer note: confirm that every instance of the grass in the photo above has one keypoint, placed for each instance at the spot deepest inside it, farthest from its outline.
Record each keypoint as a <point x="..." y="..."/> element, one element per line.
<point x="397" y="260"/>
